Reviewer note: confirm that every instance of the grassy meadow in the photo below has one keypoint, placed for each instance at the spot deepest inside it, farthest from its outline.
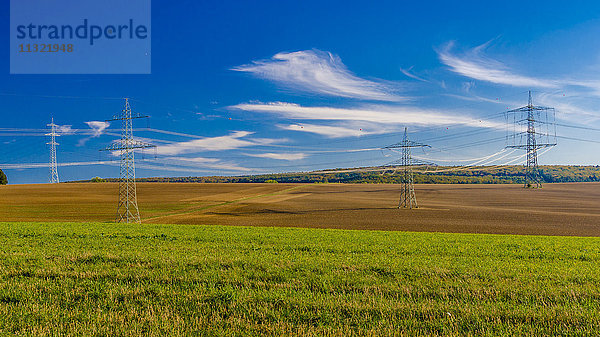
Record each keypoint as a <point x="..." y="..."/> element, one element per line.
<point x="99" y="279"/>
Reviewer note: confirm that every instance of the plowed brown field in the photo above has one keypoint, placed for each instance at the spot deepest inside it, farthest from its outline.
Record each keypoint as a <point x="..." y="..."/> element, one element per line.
<point x="557" y="209"/>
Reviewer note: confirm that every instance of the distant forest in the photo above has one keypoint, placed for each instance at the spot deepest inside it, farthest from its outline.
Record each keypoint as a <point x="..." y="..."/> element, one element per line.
<point x="393" y="175"/>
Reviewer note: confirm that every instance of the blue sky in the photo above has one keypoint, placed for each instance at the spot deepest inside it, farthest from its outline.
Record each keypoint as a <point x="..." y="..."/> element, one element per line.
<point x="278" y="86"/>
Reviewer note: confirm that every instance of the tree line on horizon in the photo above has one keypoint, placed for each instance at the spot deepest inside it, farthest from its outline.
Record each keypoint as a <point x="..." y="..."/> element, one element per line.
<point x="447" y="175"/>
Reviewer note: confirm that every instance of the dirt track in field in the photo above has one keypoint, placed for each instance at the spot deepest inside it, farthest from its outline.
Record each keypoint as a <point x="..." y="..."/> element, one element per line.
<point x="557" y="209"/>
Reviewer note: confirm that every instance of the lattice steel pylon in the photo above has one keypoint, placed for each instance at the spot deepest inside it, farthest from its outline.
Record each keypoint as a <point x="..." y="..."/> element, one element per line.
<point x="407" y="191"/>
<point x="127" y="209"/>
<point x="536" y="124"/>
<point x="53" y="144"/>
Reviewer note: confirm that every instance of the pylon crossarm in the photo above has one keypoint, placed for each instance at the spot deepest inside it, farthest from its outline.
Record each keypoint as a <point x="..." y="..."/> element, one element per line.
<point x="403" y="145"/>
<point x="134" y="144"/>
<point x="121" y="119"/>
<point x="537" y="146"/>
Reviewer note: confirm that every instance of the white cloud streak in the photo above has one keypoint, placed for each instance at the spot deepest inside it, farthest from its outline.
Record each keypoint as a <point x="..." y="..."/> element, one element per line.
<point x="475" y="98"/>
<point x="376" y="114"/>
<point x="197" y="170"/>
<point x="408" y="73"/>
<point x="221" y="143"/>
<point x="44" y="165"/>
<point x="179" y="164"/>
<point x="326" y="130"/>
<point x="572" y="107"/>
<point x="279" y="156"/>
<point x="211" y="163"/>
<point x="318" y="72"/>
<point x="474" y="64"/>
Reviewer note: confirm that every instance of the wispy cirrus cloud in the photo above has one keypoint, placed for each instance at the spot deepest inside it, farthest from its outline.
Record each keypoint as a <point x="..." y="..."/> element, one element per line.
<point x="203" y="162"/>
<point x="408" y="73"/>
<point x="229" y="142"/>
<point x="319" y="72"/>
<point x="328" y="130"/>
<point x="574" y="107"/>
<point x="382" y="114"/>
<point x="279" y="156"/>
<point x="476" y="98"/>
<point x="474" y="64"/>
<point x="189" y="169"/>
<point x="64" y="164"/>
<point x="171" y="164"/>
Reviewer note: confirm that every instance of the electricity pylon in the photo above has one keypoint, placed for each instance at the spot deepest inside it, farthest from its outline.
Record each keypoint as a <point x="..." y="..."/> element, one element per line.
<point x="536" y="124"/>
<point x="127" y="209"/>
<point x="407" y="191"/>
<point x="53" y="144"/>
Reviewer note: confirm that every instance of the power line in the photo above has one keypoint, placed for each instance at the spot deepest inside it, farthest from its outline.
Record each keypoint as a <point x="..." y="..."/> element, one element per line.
<point x="579" y="139"/>
<point x="577" y="127"/>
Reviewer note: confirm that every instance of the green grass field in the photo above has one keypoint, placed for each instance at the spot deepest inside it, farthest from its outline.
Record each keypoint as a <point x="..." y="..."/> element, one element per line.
<point x="108" y="279"/>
